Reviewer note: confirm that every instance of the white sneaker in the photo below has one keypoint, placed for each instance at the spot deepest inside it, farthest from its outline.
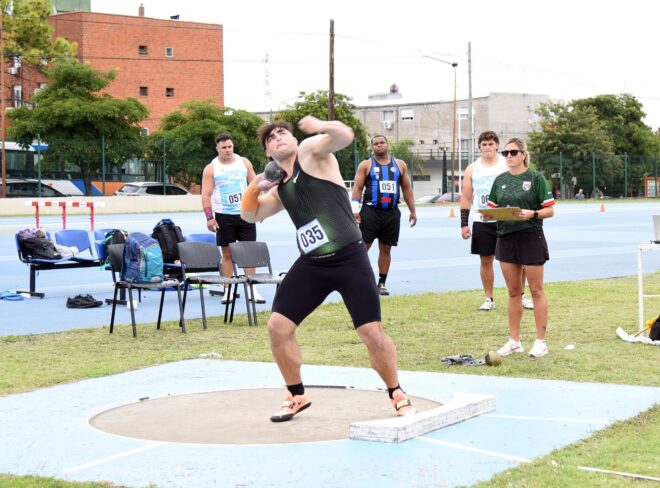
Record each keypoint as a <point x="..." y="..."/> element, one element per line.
<point x="526" y="302"/>
<point x="488" y="305"/>
<point x="227" y="297"/>
<point x="257" y="296"/>
<point x="540" y="348"/>
<point x="510" y="347"/>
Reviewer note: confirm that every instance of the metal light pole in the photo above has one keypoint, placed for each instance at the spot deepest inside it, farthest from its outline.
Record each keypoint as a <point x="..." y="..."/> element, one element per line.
<point x="453" y="135"/>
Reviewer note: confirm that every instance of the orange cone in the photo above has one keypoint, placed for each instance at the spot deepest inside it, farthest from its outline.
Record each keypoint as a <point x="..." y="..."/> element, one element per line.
<point x="452" y="213"/>
<point x="602" y="207"/>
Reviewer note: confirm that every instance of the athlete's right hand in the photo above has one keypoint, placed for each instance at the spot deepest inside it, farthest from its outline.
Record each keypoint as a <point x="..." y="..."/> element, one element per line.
<point x="211" y="225"/>
<point x="263" y="184"/>
<point x="357" y="218"/>
<point x="465" y="232"/>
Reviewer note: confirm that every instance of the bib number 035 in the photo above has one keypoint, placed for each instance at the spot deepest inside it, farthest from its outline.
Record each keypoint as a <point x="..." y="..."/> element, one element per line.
<point x="311" y="236"/>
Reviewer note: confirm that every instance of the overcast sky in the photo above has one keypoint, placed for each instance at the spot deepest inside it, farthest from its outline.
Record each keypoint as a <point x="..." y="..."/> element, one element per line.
<point x="564" y="49"/>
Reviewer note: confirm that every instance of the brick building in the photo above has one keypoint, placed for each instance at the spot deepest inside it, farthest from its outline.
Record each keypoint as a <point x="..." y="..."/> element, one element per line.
<point x="161" y="63"/>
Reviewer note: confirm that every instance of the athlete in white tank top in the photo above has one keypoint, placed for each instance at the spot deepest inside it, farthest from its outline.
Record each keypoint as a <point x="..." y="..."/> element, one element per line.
<point x="482" y="180"/>
<point x="229" y="183"/>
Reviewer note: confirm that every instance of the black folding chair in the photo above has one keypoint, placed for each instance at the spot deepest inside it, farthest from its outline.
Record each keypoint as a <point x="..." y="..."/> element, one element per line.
<point x="254" y="254"/>
<point x="116" y="255"/>
<point x="204" y="257"/>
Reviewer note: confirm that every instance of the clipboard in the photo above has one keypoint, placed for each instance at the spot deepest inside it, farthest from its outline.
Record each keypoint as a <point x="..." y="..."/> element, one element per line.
<point x="502" y="213"/>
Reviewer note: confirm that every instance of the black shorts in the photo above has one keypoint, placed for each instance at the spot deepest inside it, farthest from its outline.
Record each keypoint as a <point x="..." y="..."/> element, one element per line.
<point x="484" y="238"/>
<point x="232" y="228"/>
<point x="312" y="278"/>
<point x="380" y="224"/>
<point x="527" y="248"/>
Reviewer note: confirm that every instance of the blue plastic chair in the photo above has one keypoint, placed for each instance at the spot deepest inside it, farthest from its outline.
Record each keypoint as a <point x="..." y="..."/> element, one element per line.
<point x="80" y="239"/>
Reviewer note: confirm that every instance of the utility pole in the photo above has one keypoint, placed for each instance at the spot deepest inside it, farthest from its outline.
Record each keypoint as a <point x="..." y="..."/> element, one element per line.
<point x="331" y="91"/>
<point x="2" y="104"/>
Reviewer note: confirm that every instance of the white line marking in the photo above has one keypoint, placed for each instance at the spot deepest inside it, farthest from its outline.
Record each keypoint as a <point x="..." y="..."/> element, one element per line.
<point x="549" y="419"/>
<point x="620" y="473"/>
<point x="474" y="449"/>
<point x="104" y="460"/>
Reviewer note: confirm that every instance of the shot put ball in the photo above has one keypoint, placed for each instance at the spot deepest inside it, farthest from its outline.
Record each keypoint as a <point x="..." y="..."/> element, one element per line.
<point x="273" y="172"/>
<point x="493" y="358"/>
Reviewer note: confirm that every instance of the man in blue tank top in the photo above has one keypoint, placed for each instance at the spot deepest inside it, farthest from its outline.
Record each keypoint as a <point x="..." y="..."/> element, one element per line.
<point x="332" y="255"/>
<point x="379" y="183"/>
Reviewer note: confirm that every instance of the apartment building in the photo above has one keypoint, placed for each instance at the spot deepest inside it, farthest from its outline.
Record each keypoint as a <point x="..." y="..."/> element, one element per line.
<point x="161" y="63"/>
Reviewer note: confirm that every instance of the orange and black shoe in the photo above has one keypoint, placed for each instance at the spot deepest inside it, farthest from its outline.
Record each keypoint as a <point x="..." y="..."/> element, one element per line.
<point x="402" y="403"/>
<point x="291" y="406"/>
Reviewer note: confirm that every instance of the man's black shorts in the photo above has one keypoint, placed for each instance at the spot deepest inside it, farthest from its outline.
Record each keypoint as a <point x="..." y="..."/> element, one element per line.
<point x="484" y="238"/>
<point x="312" y="278"/>
<point x="232" y="228"/>
<point x="380" y="224"/>
<point x="527" y="248"/>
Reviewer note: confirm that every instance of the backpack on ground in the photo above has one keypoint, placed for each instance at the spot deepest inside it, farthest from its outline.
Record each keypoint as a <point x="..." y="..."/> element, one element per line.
<point x="143" y="259"/>
<point x="168" y="236"/>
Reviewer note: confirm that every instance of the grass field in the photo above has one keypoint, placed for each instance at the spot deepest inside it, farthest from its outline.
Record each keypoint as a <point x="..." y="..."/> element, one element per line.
<point x="425" y="328"/>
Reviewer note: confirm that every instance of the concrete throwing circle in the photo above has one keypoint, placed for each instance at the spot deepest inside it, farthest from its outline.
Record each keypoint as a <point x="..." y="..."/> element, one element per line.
<point x="243" y="416"/>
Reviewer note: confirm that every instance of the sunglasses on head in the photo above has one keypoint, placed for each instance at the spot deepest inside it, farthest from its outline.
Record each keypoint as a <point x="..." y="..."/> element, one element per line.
<point x="512" y="152"/>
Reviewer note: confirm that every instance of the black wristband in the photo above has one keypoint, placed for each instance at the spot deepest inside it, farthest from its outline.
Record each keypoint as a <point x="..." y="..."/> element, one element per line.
<point x="536" y="214"/>
<point x="465" y="216"/>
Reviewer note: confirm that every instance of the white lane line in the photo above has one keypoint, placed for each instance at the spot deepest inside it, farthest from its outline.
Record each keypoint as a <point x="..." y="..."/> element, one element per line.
<point x="462" y="447"/>
<point x="620" y="473"/>
<point x="104" y="460"/>
<point x="549" y="419"/>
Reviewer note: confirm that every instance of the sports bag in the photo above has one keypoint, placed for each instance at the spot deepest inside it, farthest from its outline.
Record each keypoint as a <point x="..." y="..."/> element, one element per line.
<point x="654" y="332"/>
<point x="168" y="236"/>
<point x="143" y="259"/>
<point x="115" y="236"/>
<point x="38" y="246"/>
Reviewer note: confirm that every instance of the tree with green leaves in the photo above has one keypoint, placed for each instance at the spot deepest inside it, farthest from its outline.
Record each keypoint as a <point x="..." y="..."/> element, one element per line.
<point x="73" y="117"/>
<point x="578" y="134"/>
<point x="186" y="138"/>
<point x="622" y="118"/>
<point x="316" y="104"/>
<point x="28" y="35"/>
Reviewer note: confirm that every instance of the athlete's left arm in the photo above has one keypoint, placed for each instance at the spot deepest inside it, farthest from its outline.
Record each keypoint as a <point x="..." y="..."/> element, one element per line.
<point x="407" y="190"/>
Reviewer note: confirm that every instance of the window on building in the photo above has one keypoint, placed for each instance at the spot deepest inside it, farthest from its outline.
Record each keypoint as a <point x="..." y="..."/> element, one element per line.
<point x="144" y="131"/>
<point x="407" y="114"/>
<point x="435" y="141"/>
<point x="142" y="50"/>
<point x="17" y="91"/>
<point x="169" y="92"/>
<point x="169" y="52"/>
<point x="144" y="91"/>
<point x="387" y="115"/>
<point x="421" y="141"/>
<point x="39" y="88"/>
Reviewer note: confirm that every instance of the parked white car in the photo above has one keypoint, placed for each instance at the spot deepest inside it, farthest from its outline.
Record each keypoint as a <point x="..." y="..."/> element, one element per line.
<point x="150" y="188"/>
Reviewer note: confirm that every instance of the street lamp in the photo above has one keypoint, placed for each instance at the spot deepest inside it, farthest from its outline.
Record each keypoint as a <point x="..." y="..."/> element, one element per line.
<point x="453" y="136"/>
